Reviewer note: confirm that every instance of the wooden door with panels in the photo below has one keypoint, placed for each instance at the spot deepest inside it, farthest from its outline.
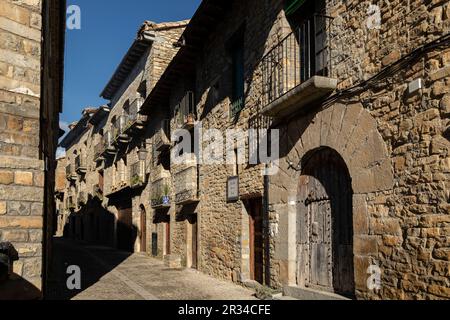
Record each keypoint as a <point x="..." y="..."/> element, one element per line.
<point x="325" y="225"/>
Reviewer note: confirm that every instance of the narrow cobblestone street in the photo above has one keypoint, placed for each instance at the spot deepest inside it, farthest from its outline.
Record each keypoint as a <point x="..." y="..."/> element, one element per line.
<point x="108" y="274"/>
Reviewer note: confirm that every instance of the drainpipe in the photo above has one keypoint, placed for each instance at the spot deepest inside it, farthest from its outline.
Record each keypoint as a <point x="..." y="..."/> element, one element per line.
<point x="266" y="228"/>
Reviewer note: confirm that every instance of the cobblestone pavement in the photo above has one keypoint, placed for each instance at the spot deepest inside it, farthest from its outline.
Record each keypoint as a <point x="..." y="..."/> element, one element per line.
<point x="108" y="274"/>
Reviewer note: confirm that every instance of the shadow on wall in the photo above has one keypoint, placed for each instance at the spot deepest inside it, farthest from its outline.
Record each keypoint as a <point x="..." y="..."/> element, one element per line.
<point x="96" y="225"/>
<point x="12" y="286"/>
<point x="92" y="223"/>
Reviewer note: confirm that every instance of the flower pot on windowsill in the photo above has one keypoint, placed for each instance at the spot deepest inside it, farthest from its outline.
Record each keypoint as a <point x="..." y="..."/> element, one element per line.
<point x="165" y="200"/>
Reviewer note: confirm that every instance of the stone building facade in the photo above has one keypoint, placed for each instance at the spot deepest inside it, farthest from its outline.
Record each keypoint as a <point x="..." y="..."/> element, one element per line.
<point x="31" y="59"/>
<point x="359" y="94"/>
<point x="361" y="180"/>
<point x="81" y="201"/>
<point x="60" y="188"/>
<point x="108" y="200"/>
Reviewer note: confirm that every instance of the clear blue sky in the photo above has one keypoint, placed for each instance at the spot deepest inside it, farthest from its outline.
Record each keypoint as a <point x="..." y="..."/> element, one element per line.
<point x="108" y="28"/>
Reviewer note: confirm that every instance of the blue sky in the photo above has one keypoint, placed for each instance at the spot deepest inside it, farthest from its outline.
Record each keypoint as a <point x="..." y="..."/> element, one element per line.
<point x="108" y="27"/>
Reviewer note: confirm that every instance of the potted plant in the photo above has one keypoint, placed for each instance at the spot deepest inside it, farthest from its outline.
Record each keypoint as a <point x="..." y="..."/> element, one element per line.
<point x="156" y="198"/>
<point x="166" y="195"/>
<point x="135" y="180"/>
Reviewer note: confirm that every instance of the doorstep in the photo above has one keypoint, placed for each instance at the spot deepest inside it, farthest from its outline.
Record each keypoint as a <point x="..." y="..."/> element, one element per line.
<point x="310" y="294"/>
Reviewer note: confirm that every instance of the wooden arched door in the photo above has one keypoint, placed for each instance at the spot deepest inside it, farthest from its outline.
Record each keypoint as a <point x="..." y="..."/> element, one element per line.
<point x="325" y="224"/>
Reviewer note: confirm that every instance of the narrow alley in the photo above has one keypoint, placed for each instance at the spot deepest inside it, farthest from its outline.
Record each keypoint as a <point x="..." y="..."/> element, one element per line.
<point x="107" y="274"/>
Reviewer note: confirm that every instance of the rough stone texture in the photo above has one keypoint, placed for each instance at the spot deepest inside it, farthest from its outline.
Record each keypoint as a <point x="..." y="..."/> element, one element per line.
<point x="395" y="146"/>
<point x="24" y="51"/>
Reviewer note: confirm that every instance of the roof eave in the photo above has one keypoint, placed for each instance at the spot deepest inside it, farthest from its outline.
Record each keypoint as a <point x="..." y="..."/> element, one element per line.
<point x="129" y="61"/>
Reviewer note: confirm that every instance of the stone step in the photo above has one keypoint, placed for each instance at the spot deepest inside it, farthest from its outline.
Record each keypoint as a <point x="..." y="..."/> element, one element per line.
<point x="310" y="294"/>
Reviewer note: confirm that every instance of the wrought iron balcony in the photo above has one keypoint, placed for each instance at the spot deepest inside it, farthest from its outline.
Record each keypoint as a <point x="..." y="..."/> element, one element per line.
<point x="123" y="125"/>
<point x="121" y="183"/>
<point x="162" y="137"/>
<point x="108" y="143"/>
<point x="99" y="151"/>
<point x="297" y="71"/>
<point x="186" y="186"/>
<point x="80" y="164"/>
<point x="137" y="120"/>
<point x="137" y="174"/>
<point x="70" y="173"/>
<point x="161" y="193"/>
<point x="187" y="113"/>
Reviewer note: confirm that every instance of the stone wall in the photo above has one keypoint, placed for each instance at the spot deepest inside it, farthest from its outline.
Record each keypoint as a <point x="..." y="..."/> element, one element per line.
<point x="29" y="110"/>
<point x="223" y="227"/>
<point x="395" y="147"/>
<point x="394" y="143"/>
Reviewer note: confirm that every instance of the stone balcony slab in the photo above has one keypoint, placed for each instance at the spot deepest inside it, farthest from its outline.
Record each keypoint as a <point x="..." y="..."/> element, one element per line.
<point x="306" y="93"/>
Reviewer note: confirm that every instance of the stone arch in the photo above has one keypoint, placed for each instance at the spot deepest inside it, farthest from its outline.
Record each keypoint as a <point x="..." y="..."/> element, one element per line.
<point x="353" y="133"/>
<point x="325" y="199"/>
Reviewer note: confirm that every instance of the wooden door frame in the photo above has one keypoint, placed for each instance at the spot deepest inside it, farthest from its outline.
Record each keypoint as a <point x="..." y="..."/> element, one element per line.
<point x="143" y="218"/>
<point x="192" y="242"/>
<point x="167" y="247"/>
<point x="255" y="207"/>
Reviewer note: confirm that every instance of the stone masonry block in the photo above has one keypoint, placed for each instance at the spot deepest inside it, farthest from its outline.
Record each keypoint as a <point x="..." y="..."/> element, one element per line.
<point x="15" y="235"/>
<point x="37" y="209"/>
<point x="6" y="177"/>
<point x="21" y="222"/>
<point x="23" y="178"/>
<point x="32" y="268"/>
<point x="2" y="207"/>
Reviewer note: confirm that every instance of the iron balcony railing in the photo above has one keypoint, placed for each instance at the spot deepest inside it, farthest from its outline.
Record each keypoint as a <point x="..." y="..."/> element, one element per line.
<point x="161" y="190"/>
<point x="187" y="113"/>
<point x="304" y="53"/>
<point x="186" y="185"/>
<point x="137" y="174"/>
<point x="108" y="142"/>
<point x="134" y="115"/>
<point x="122" y="124"/>
<point x="80" y="164"/>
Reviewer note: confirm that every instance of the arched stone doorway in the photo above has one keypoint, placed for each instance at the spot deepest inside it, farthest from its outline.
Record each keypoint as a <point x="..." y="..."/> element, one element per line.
<point x="325" y="223"/>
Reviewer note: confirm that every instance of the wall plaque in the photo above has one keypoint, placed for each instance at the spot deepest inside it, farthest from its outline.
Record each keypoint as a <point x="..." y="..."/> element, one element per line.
<point x="233" y="189"/>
